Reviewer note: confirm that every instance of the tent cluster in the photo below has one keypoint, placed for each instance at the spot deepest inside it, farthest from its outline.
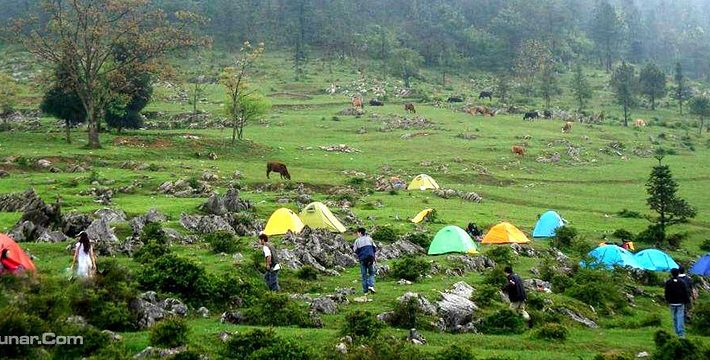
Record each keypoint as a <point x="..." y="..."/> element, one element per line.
<point x="608" y="256"/>
<point x="315" y="215"/>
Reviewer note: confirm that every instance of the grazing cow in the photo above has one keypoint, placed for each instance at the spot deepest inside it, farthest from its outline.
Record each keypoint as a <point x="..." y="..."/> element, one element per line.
<point x="531" y="115"/>
<point x="454" y="99"/>
<point x="410" y="108"/>
<point x="485" y="94"/>
<point x="375" y="102"/>
<point x="568" y="127"/>
<point x="357" y="102"/>
<point x="518" y="150"/>
<point x="547" y="114"/>
<point x="277" y="167"/>
<point x="483" y="111"/>
<point x="640" y="123"/>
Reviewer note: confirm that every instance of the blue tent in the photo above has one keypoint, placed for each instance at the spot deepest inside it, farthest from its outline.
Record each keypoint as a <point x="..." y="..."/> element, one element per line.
<point x="608" y="256"/>
<point x="547" y="225"/>
<point x="655" y="260"/>
<point x="702" y="267"/>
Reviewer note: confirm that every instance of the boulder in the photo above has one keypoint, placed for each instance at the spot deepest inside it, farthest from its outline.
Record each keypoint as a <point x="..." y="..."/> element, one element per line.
<point x="455" y="308"/>
<point x="17" y="201"/>
<point x="208" y="176"/>
<point x="44" y="163"/>
<point x="524" y="250"/>
<point x="232" y="317"/>
<point x="152" y="216"/>
<point x="37" y="218"/>
<point x="324" y="305"/>
<point x="175" y="307"/>
<point x="318" y="248"/>
<point x="386" y="317"/>
<point x="230" y="202"/>
<point x="152" y="353"/>
<point x="112" y="335"/>
<point x="423" y="304"/>
<point x="415" y="337"/>
<point x="4" y="174"/>
<point x="470" y="263"/>
<point x="203" y="311"/>
<point x="537" y="285"/>
<point x="398" y="249"/>
<point x="51" y="236"/>
<point x="111" y="215"/>
<point x="579" y="318"/>
<point x="150" y="309"/>
<point x="74" y="223"/>
<point x="101" y="235"/>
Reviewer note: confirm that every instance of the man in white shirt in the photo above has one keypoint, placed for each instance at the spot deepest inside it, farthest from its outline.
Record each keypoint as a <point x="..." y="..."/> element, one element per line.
<point x="272" y="264"/>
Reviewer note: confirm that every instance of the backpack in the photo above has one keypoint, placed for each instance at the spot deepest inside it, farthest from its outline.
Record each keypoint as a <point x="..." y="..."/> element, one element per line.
<point x="274" y="258"/>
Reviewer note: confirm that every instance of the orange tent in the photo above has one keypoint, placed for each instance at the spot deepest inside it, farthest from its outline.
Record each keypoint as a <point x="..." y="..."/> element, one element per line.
<point x="15" y="254"/>
<point x="505" y="233"/>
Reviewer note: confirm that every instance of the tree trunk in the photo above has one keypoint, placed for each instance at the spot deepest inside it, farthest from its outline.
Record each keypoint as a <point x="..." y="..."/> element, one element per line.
<point x="93" y="128"/>
<point x="626" y="114"/>
<point x="653" y="102"/>
<point x="681" y="106"/>
<point x="234" y="132"/>
<point x="67" y="124"/>
<point x="702" y="123"/>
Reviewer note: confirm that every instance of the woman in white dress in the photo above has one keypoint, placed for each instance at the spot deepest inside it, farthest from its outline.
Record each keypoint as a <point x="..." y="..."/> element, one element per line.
<point x="84" y="258"/>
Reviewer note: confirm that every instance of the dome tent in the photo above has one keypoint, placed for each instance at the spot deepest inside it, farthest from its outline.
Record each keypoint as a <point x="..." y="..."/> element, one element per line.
<point x="548" y="224"/>
<point x="655" y="260"/>
<point x="608" y="256"/>
<point x="423" y="182"/>
<point x="15" y="255"/>
<point x="281" y="221"/>
<point x="421" y="216"/>
<point x="317" y="216"/>
<point x="452" y="239"/>
<point x="505" y="233"/>
<point x="702" y="267"/>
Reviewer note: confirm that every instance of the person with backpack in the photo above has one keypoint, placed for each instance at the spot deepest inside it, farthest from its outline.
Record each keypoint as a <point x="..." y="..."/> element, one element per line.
<point x="516" y="292"/>
<point x="692" y="295"/>
<point x="272" y="263"/>
<point x="677" y="296"/>
<point x="366" y="252"/>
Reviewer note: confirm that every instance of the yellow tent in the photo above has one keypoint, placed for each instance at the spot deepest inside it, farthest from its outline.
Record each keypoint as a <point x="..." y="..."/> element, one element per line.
<point x="281" y="221"/>
<point x="422" y="215"/>
<point x="505" y="233"/>
<point x="423" y="182"/>
<point x="317" y="216"/>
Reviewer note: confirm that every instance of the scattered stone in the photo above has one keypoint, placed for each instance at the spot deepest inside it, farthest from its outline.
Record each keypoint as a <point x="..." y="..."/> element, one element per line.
<point x="17" y="201"/>
<point x="112" y="335"/>
<point x="208" y="176"/>
<point x="415" y="337"/>
<point x="318" y="248"/>
<point x="524" y="250"/>
<point x="404" y="282"/>
<point x="395" y="122"/>
<point x="455" y="307"/>
<point x="112" y="216"/>
<point x="232" y="317"/>
<point x="398" y="249"/>
<point x="44" y="163"/>
<point x="74" y="223"/>
<point x="205" y="224"/>
<point x="386" y="317"/>
<point x="423" y="304"/>
<point x="341" y="348"/>
<point x="642" y="355"/>
<point x="352" y="112"/>
<point x="152" y="216"/>
<point x="224" y="336"/>
<point x="324" y="305"/>
<point x="204" y="312"/>
<point x="151" y="352"/>
<point x="230" y="202"/>
<point x="4" y="174"/>
<point x="237" y="175"/>
<point x="576" y="317"/>
<point x="471" y="263"/>
<point x="339" y="148"/>
<point x="537" y="285"/>
<point x="150" y="309"/>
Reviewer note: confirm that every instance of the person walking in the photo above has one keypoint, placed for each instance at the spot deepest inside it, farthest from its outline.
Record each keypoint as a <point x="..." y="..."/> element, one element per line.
<point x="84" y="258"/>
<point x="677" y="296"/>
<point x="272" y="263"/>
<point x="366" y="252"/>
<point x="516" y="293"/>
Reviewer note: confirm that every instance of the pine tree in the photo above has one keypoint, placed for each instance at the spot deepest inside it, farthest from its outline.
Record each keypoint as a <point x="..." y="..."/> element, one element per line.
<point x="700" y="107"/>
<point x="680" y="86"/>
<point x="625" y="85"/>
<point x="653" y="83"/>
<point x="549" y="85"/>
<point x="580" y="88"/>
<point x="663" y="200"/>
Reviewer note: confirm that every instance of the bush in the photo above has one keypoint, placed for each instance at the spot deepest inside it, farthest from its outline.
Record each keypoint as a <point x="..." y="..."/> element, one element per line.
<point x="597" y="288"/>
<point x="153" y="231"/>
<point x="408" y="314"/>
<point x="564" y="237"/>
<point x="307" y="273"/>
<point x="410" y="268"/>
<point x="496" y="277"/>
<point x="156" y="244"/>
<point x="628" y="214"/>
<point x="362" y="325"/>
<point x="670" y="347"/>
<point x="623" y="234"/>
<point x="222" y="242"/>
<point x="14" y="322"/>
<point x="93" y="341"/>
<point x="169" y="333"/>
<point x="264" y="345"/>
<point x="675" y="240"/>
<point x="274" y="309"/>
<point x="503" y="322"/>
<point x="382" y="349"/>
<point x="705" y="246"/>
<point x="180" y="276"/>
<point x="700" y="319"/>
<point x="456" y="352"/>
<point x="614" y="356"/>
<point x="652" y="235"/>
<point x="420" y="239"/>
<point x="501" y="255"/>
<point x="486" y="295"/>
<point x="384" y="234"/>
<point x="552" y="331"/>
<point x="560" y="283"/>
<point x="187" y="355"/>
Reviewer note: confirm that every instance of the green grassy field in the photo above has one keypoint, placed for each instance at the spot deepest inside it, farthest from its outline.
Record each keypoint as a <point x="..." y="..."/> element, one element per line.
<point x="588" y="191"/>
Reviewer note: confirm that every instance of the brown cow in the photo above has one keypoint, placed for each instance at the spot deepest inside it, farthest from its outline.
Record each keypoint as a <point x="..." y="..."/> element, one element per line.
<point x="483" y="111"/>
<point x="518" y="150"/>
<point x="568" y="127"/>
<point x="410" y="108"/>
<point x="640" y="123"/>
<point x="277" y="167"/>
<point x="357" y="102"/>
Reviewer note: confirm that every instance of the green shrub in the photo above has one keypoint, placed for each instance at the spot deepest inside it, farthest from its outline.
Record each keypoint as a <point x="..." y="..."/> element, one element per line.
<point x="503" y="322"/>
<point x="614" y="356"/>
<point x="486" y="295"/>
<point x="14" y="322"/>
<point x="705" y="246"/>
<point x="93" y="341"/>
<point x="420" y="238"/>
<point x="264" y="345"/>
<point x="274" y="309"/>
<point x="501" y="255"/>
<point x="628" y="214"/>
<point x="560" y="283"/>
<point x="676" y="240"/>
<point x="652" y="235"/>
<point x="552" y="331"/>
<point x="456" y="352"/>
<point x="179" y="276"/>
<point x="222" y="242"/>
<point x="670" y="347"/>
<point x="648" y="277"/>
<point x="169" y="333"/>
<point x="150" y="252"/>
<point x="599" y="289"/>
<point x="410" y="268"/>
<point x="700" y="320"/>
<point x="153" y="231"/>
<point x="361" y="325"/>
<point x="383" y="349"/>
<point x="308" y="273"/>
<point x="384" y="234"/>
<point x="408" y="314"/>
<point x="187" y="355"/>
<point x="623" y="234"/>
<point x="495" y="277"/>
<point x="565" y="237"/>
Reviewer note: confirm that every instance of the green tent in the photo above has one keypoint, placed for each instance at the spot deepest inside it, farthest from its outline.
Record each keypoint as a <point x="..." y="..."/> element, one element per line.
<point x="452" y="239"/>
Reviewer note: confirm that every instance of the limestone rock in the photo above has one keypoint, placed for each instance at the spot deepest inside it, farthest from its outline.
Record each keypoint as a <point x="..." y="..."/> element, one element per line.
<point x="232" y="317"/>
<point x="399" y="249"/>
<point x="424" y="305"/>
<point x="455" y="308"/>
<point x="324" y="305"/>
<point x="101" y="235"/>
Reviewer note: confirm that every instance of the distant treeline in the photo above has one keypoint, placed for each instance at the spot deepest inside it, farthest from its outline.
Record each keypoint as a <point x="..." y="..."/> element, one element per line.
<point x="471" y="34"/>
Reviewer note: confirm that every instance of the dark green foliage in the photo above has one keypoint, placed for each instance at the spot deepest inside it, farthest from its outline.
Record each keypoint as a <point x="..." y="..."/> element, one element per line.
<point x="548" y="269"/>
<point x="486" y="295"/>
<point x="560" y="283"/>
<point x="308" y="273"/>
<point x="503" y="322"/>
<point x="501" y="255"/>
<point x="564" y="237"/>
<point x="705" y="246"/>
<point x="700" y="107"/>
<point x="628" y="214"/>
<point x="264" y="345"/>
<point x="384" y="349"/>
<point x="623" y="234"/>
<point x="180" y="276"/>
<point x="362" y="325"/>
<point x="662" y="199"/>
<point x="169" y="333"/>
<point x="670" y="347"/>
<point x="408" y="315"/>
<point x="653" y="83"/>
<point x="384" y="234"/>
<point x="495" y="277"/>
<point x="648" y="278"/>
<point x="700" y="319"/>
<point x="650" y="320"/>
<point x="580" y="88"/>
<point x="187" y="355"/>
<point x="625" y="85"/>
<point x="651" y="235"/>
<point x="273" y="309"/>
<point x="614" y="356"/>
<point x="222" y="242"/>
<point x="419" y="238"/>
<point x="598" y="288"/>
<point x="124" y="110"/>
<point x="456" y="352"/>
<point x="552" y="331"/>
<point x="155" y="243"/>
<point x="14" y="322"/>
<point x="93" y="341"/>
<point x="410" y="268"/>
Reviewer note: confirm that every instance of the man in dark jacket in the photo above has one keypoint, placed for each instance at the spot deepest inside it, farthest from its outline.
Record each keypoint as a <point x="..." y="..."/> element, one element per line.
<point x="676" y="297"/>
<point x="516" y="293"/>
<point x="366" y="252"/>
<point x="688" y="286"/>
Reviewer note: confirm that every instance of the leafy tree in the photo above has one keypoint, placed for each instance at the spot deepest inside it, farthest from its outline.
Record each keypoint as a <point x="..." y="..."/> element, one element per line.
<point x="680" y="89"/>
<point x="503" y="88"/>
<point x="606" y="31"/>
<point x="234" y="80"/>
<point x="700" y="107"/>
<point x="8" y="96"/>
<point x="663" y="200"/>
<point x="406" y="63"/>
<point x="580" y="88"/>
<point x="63" y="103"/>
<point x="89" y="60"/>
<point x="251" y="106"/>
<point x="533" y="56"/>
<point x="380" y="42"/>
<point x="131" y="96"/>
<point x="549" y="86"/>
<point x="653" y="83"/>
<point x="625" y="85"/>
